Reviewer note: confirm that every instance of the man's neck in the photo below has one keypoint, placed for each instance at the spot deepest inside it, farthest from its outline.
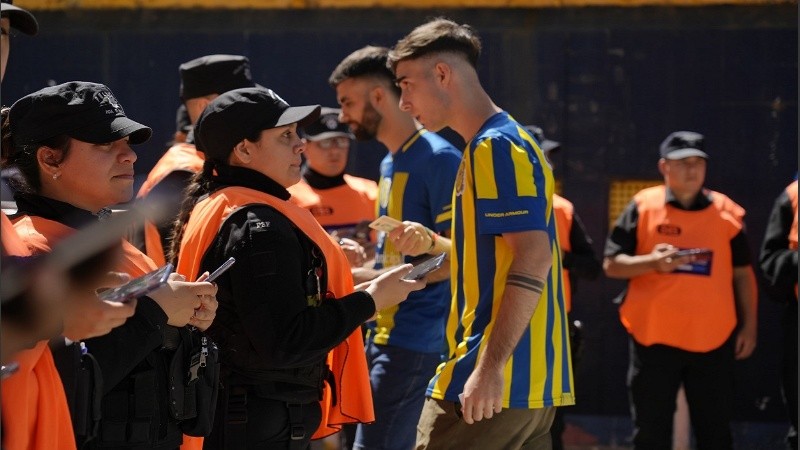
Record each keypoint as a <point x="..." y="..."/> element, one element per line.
<point x="477" y="109"/>
<point x="394" y="130"/>
<point x="686" y="199"/>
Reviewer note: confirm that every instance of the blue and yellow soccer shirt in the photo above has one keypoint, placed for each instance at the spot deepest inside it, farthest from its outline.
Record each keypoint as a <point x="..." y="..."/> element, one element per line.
<point x="504" y="185"/>
<point x="416" y="184"/>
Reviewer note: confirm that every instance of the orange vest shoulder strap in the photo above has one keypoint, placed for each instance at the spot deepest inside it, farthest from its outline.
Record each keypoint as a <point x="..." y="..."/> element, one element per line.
<point x="12" y="244"/>
<point x="180" y="156"/>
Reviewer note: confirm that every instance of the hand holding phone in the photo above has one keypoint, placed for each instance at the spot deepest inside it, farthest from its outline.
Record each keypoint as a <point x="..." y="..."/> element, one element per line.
<point x="138" y="287"/>
<point x="420" y="270"/>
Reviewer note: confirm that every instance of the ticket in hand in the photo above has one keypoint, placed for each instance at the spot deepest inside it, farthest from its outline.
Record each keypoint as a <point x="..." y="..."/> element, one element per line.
<point x="385" y="223"/>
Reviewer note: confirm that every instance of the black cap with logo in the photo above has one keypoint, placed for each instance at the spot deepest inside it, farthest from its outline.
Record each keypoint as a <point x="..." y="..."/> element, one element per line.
<point x="84" y="111"/>
<point x="545" y="144"/>
<point x="239" y="114"/>
<point x="683" y="144"/>
<point x="327" y="126"/>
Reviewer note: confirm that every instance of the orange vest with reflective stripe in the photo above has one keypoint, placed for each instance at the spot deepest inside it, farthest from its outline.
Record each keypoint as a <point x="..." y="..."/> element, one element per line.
<point x="347" y="360"/>
<point x="180" y="157"/>
<point x="564" y="211"/>
<point x="35" y="409"/>
<point x="692" y="312"/>
<point x="791" y="191"/>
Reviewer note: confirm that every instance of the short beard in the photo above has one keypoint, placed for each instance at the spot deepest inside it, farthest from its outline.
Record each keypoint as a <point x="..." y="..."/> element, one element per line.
<point x="368" y="128"/>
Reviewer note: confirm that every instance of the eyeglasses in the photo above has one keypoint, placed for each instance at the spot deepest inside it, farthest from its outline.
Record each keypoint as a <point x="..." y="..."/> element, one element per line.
<point x="340" y="142"/>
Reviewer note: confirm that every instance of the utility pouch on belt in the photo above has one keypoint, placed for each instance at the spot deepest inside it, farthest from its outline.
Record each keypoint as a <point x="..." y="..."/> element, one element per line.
<point x="194" y="382"/>
<point x="83" y="385"/>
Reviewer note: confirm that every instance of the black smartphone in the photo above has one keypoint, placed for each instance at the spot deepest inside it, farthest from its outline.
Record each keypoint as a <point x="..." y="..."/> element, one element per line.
<point x="138" y="287"/>
<point x="420" y="270"/>
<point x="221" y="269"/>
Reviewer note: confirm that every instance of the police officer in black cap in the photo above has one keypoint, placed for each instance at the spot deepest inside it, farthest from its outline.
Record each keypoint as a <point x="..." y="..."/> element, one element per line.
<point x="72" y="144"/>
<point x="19" y="19"/>
<point x="202" y="80"/>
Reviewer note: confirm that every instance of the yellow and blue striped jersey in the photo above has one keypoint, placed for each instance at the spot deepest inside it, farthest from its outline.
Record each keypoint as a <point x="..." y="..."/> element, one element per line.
<point x="504" y="185"/>
<point x="416" y="184"/>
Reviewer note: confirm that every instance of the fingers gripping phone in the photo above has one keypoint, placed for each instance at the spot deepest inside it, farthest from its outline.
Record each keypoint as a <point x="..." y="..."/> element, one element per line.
<point x="138" y="287"/>
<point x="420" y="270"/>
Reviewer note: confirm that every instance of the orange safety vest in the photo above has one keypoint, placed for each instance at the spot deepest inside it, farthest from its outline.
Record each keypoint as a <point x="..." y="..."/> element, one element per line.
<point x="689" y="311"/>
<point x="40" y="234"/>
<point x="347" y="361"/>
<point x="35" y="387"/>
<point x="180" y="157"/>
<point x="791" y="191"/>
<point x="564" y="210"/>
<point x="35" y="409"/>
<point x="350" y="203"/>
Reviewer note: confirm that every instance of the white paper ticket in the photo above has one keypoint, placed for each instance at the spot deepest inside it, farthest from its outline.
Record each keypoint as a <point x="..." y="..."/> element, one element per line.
<point x="385" y="223"/>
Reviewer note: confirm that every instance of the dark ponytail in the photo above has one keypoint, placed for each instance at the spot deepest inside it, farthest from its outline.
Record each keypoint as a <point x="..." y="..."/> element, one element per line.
<point x="199" y="186"/>
<point x="24" y="158"/>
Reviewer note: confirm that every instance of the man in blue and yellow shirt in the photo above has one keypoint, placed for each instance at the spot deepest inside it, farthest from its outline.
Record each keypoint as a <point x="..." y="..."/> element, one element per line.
<point x="509" y="355"/>
<point x="404" y="344"/>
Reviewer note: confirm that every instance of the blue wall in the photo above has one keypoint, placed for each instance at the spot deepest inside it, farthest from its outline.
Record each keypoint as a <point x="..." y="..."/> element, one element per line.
<point x="609" y="83"/>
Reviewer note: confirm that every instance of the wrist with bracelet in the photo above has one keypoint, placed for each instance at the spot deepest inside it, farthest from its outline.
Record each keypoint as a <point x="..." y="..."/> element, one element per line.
<point x="432" y="236"/>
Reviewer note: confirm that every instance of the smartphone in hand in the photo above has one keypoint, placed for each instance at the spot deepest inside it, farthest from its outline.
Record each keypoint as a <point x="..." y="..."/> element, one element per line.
<point x="420" y="270"/>
<point x="138" y="287"/>
<point x="221" y="269"/>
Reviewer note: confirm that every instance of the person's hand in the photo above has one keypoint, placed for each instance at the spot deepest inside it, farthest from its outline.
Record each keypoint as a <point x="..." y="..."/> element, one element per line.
<point x="179" y="299"/>
<point x="205" y="314"/>
<point x="87" y="316"/>
<point x="412" y="238"/>
<point x="390" y="289"/>
<point x="745" y="342"/>
<point x="483" y="395"/>
<point x="356" y="254"/>
<point x="664" y="259"/>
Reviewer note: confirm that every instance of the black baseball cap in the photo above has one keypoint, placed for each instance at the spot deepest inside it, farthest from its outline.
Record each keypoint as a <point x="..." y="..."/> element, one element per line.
<point x="239" y="114"/>
<point x="326" y="126"/>
<point x="19" y="18"/>
<point x="84" y="111"/>
<point x="545" y="144"/>
<point x="683" y="144"/>
<point x="214" y="74"/>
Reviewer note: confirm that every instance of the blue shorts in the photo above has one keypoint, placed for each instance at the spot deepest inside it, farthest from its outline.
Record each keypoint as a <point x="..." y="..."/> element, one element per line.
<point x="399" y="378"/>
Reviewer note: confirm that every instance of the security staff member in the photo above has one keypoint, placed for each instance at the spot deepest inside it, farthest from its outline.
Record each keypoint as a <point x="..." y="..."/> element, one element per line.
<point x="689" y="317"/>
<point x="288" y="327"/>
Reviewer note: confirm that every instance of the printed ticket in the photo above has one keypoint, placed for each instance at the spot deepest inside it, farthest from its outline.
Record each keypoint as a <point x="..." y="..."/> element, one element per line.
<point x="385" y="223"/>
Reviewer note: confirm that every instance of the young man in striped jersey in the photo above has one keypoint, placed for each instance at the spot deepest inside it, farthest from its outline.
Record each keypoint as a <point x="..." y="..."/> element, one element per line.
<point x="508" y="365"/>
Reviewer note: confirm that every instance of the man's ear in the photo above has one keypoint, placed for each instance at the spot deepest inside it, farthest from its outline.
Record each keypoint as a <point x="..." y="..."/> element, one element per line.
<point x="376" y="95"/>
<point x="49" y="160"/>
<point x="662" y="166"/>
<point x="442" y="73"/>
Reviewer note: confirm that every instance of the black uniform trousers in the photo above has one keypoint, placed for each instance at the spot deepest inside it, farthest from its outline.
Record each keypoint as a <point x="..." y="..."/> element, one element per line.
<point x="656" y="373"/>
